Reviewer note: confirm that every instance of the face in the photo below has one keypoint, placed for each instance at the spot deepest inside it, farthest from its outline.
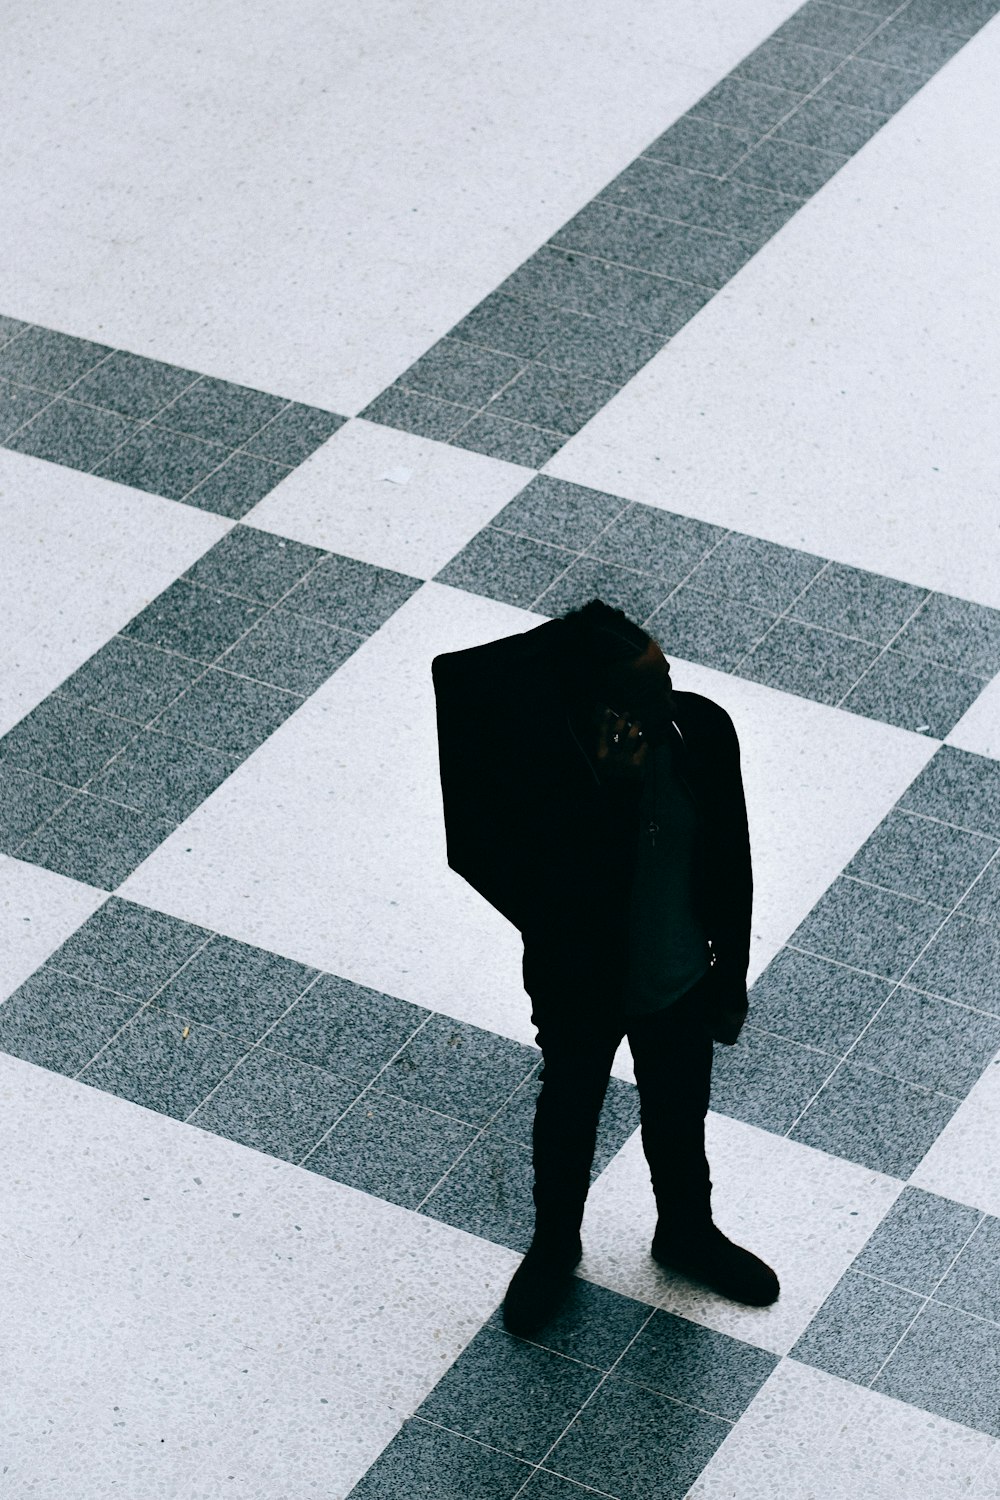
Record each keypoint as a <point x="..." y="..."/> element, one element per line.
<point x="644" y="689"/>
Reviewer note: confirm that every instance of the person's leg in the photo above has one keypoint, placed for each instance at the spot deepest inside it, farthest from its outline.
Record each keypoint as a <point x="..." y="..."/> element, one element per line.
<point x="575" y="1070"/>
<point x="672" y="1056"/>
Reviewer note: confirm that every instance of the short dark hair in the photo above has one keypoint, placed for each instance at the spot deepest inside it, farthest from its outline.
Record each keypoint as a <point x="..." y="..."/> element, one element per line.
<point x="598" y="639"/>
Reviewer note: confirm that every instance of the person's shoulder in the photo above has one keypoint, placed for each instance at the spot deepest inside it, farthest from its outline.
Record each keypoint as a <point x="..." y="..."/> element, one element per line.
<point x="701" y="715"/>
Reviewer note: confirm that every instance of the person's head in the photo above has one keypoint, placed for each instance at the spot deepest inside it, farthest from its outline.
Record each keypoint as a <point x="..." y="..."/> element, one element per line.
<point x="612" y="662"/>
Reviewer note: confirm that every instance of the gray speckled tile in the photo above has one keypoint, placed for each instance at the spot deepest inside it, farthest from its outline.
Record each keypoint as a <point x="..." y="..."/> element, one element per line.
<point x="982" y="901"/>
<point x="344" y="591"/>
<point x="254" y="564"/>
<point x="929" y="1041"/>
<point x="166" y="777"/>
<point x="871" y="85"/>
<point x="236" y="988"/>
<point x="958" y="787"/>
<point x="95" y="841"/>
<point x="594" y="1324"/>
<point x="903" y="44"/>
<point x="424" y="1460"/>
<point x="684" y="251"/>
<point x="510" y="326"/>
<point x="64" y="741"/>
<point x="295" y="433"/>
<point x="949" y="1363"/>
<point x="221" y="412"/>
<point x="973" y="1282"/>
<point x="291" y="652"/>
<point x="514" y="569"/>
<point x="132" y="384"/>
<point x="807" y="660"/>
<point x="787" y="65"/>
<point x="47" y="359"/>
<point x="237" y="485"/>
<point x="18" y="404"/>
<point x="856" y="602"/>
<point x="195" y="622"/>
<point x="26" y="800"/>
<point x="962" y="16"/>
<point x="162" y="462"/>
<point x="129" y="680"/>
<point x="410" y="411"/>
<point x="657" y="541"/>
<point x="511" y="1394"/>
<point x="814" y="1001"/>
<point x="638" y="594"/>
<point x="544" y="1485"/>
<point x="346" y="1027"/>
<point x="787" y="167"/>
<point x="227" y="713"/>
<point x="750" y="108"/>
<point x="869" y="928"/>
<point x="503" y="438"/>
<point x="767" y="1080"/>
<point x="955" y="632"/>
<point x="554" y="400"/>
<point x="635" y="1443"/>
<point x="701" y="1366"/>
<point x="390" y="1147"/>
<point x="551" y="510"/>
<point x="461" y="373"/>
<point x="59" y="1022"/>
<point x="708" y="628"/>
<point x="756" y="571"/>
<point x="748" y="211"/>
<point x="488" y="1193"/>
<point x="699" y="144"/>
<point x="654" y="187"/>
<point x="918" y="1240"/>
<point x="816" y="24"/>
<point x="69" y="433"/>
<point x="830" y="126"/>
<point x="914" y="694"/>
<point x="275" y="1104"/>
<point x="962" y="963"/>
<point x="581" y="284"/>
<point x="920" y="857"/>
<point x="129" y="948"/>
<point x="153" y="1064"/>
<point x="10" y="328"/>
<point x="595" y="347"/>
<point x="459" y="1069"/>
<point x="857" y="1328"/>
<point x="875" y="1121"/>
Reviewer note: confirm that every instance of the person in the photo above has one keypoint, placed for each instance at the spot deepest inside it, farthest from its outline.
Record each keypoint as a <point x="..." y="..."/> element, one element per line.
<point x="633" y="896"/>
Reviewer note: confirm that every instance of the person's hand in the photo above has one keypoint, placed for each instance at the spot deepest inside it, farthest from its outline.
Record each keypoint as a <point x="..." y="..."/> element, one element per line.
<point x="626" y="759"/>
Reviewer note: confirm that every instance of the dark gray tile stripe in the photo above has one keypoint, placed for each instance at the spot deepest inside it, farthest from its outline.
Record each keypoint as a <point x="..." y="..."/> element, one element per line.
<point x="843" y="636"/>
<point x="533" y="362"/>
<point x="154" y="426"/>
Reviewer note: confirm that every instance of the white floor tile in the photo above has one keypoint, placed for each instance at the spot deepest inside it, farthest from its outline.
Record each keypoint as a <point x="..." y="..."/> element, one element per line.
<point x="38" y="911"/>
<point x="306" y="206"/>
<point x="839" y="394"/>
<point x="978" y="729"/>
<point x="389" y="498"/>
<point x="327" y="845"/>
<point x="805" y="1213"/>
<point x="964" y="1161"/>
<point x="80" y="557"/>
<point x="808" y="1435"/>
<point x="169" y="1271"/>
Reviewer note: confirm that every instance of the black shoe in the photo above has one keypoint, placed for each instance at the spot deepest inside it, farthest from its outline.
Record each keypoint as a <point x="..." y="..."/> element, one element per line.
<point x="706" y="1255"/>
<point x="540" y="1284"/>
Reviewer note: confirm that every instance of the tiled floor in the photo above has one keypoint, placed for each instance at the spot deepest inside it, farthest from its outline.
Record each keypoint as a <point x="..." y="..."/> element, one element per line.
<point x="322" y="354"/>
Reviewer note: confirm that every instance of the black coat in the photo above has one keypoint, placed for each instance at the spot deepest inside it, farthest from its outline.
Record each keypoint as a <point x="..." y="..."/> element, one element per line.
<point x="530" y="827"/>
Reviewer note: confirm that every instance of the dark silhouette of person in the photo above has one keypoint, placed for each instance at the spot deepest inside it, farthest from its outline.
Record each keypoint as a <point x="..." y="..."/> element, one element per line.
<point x="602" y="812"/>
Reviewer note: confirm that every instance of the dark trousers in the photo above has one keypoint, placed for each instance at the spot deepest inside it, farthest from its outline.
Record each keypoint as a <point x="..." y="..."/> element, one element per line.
<point x="672" y="1057"/>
